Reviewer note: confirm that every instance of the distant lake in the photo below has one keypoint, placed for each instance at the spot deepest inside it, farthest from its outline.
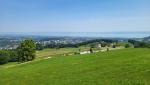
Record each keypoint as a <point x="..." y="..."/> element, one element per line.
<point x="91" y="34"/>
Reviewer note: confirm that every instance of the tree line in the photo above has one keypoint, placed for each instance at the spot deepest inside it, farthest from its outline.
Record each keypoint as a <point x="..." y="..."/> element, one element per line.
<point x="103" y="42"/>
<point x="139" y="44"/>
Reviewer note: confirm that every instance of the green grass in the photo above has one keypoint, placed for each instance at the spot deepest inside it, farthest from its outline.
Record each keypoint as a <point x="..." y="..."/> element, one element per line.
<point x="117" y="67"/>
<point x="53" y="52"/>
<point x="61" y="51"/>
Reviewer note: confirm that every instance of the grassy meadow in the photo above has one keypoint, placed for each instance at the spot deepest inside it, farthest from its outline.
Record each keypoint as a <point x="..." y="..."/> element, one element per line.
<point x="116" y="67"/>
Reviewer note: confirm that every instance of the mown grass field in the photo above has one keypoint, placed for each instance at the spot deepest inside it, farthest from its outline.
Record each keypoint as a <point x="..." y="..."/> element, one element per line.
<point x="61" y="51"/>
<point x="117" y="67"/>
<point x="55" y="52"/>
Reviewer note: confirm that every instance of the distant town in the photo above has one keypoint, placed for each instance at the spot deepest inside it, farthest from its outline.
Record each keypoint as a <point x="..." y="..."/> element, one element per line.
<point x="12" y="41"/>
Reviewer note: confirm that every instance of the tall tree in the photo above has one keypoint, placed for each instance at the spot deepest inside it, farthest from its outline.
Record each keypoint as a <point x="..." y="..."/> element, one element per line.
<point x="26" y="50"/>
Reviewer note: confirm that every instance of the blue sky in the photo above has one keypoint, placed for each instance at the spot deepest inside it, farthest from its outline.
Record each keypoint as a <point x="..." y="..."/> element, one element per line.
<point x="74" y="15"/>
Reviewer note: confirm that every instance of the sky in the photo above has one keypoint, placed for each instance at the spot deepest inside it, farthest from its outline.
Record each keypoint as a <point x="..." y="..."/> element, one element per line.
<point x="74" y="15"/>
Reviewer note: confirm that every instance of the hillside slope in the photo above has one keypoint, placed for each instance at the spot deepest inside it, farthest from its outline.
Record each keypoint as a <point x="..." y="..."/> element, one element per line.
<point x="118" y="67"/>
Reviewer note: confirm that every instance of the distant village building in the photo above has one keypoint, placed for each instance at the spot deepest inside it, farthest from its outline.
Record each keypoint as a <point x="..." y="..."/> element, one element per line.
<point x="85" y="52"/>
<point x="99" y="46"/>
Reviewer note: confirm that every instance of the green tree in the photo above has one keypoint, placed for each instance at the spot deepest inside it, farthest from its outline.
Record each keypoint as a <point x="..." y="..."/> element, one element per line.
<point x="26" y="50"/>
<point x="39" y="46"/>
<point x="13" y="55"/>
<point x="4" y="57"/>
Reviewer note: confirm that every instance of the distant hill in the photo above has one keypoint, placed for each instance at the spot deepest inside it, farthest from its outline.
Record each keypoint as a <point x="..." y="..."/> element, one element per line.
<point x="146" y="39"/>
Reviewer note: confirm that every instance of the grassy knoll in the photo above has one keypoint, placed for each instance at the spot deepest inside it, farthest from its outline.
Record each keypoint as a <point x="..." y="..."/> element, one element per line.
<point x="117" y="67"/>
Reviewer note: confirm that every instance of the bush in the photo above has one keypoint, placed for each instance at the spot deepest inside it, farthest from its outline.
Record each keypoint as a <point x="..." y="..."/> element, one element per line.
<point x="39" y="46"/>
<point x="114" y="46"/>
<point x="91" y="50"/>
<point x="127" y="45"/>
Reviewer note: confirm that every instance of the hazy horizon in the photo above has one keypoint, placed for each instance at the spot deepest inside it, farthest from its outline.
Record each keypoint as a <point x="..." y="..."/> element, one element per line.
<point x="85" y="34"/>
